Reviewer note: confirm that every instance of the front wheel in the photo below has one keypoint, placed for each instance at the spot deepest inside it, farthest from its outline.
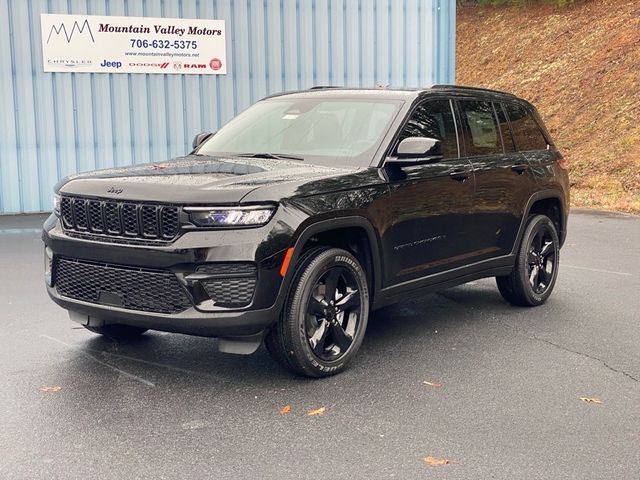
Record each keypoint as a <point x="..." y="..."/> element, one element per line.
<point x="325" y="315"/>
<point x="536" y="268"/>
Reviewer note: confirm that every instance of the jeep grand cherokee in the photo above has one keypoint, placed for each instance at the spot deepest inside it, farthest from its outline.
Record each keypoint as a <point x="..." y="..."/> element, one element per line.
<point x="309" y="210"/>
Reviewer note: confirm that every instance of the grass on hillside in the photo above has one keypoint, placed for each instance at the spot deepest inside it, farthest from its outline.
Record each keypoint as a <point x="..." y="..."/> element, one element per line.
<point x="580" y="66"/>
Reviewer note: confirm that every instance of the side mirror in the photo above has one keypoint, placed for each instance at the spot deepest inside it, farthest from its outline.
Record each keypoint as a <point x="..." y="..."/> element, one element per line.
<point x="200" y="138"/>
<point x="416" y="150"/>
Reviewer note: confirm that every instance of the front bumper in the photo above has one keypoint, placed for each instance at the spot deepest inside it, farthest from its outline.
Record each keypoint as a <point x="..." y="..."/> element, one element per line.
<point x="190" y="321"/>
<point x="263" y="247"/>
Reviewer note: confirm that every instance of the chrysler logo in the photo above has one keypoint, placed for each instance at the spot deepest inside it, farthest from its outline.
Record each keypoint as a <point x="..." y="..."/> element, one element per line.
<point x="114" y="190"/>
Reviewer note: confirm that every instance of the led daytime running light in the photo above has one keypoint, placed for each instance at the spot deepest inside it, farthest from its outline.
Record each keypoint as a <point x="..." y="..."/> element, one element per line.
<point x="230" y="216"/>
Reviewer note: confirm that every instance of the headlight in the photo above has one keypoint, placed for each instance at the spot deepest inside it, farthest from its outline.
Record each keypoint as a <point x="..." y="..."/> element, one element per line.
<point x="56" y="204"/>
<point x="231" y="216"/>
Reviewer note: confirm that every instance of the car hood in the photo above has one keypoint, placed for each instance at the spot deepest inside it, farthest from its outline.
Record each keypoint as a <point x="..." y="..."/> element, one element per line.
<point x="194" y="179"/>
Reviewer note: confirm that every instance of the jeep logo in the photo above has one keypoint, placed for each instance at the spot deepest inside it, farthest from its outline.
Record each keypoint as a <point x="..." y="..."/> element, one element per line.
<point x="106" y="63"/>
<point x="114" y="190"/>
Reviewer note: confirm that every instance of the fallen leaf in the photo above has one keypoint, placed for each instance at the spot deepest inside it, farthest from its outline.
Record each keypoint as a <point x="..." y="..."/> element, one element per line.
<point x="317" y="411"/>
<point x="51" y="389"/>
<point x="193" y="425"/>
<point x="433" y="384"/>
<point x="591" y="400"/>
<point x="286" y="409"/>
<point x="435" y="461"/>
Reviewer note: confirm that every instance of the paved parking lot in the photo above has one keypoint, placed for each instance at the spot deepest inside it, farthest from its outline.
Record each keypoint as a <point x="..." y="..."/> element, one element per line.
<point x="74" y="405"/>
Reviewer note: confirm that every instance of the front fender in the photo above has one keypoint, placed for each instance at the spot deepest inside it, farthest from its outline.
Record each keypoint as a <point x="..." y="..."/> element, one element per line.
<point x="314" y="227"/>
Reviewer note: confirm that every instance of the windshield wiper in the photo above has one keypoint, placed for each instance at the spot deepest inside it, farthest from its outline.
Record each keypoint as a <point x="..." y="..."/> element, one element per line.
<point x="275" y="156"/>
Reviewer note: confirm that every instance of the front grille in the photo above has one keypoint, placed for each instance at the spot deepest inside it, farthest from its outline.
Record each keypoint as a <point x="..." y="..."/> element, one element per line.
<point x="128" y="220"/>
<point x="231" y="284"/>
<point x="121" y="286"/>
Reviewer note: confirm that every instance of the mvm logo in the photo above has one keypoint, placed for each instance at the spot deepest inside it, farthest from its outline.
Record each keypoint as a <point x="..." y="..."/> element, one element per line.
<point x="68" y="34"/>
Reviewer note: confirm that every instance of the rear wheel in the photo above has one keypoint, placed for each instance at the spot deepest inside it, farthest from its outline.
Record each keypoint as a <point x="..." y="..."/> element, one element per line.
<point x="536" y="269"/>
<point x="325" y="316"/>
<point x="118" y="332"/>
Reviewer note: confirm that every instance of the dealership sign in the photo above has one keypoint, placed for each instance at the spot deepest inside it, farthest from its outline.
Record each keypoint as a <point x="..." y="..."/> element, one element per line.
<point x="90" y="43"/>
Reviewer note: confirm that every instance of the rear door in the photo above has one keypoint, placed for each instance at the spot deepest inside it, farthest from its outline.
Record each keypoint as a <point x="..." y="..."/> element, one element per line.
<point x="504" y="181"/>
<point x="430" y="204"/>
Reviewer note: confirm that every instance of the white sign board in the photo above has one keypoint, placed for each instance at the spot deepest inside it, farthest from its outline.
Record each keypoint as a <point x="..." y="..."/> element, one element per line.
<point x="91" y="43"/>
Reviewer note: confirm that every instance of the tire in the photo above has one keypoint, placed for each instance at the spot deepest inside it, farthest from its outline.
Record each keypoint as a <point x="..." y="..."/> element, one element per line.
<point x="318" y="334"/>
<point x="536" y="268"/>
<point x="117" y="332"/>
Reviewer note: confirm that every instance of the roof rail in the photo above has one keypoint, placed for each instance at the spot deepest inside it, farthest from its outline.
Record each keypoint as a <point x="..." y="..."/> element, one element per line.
<point x="320" y="87"/>
<point x="477" y="89"/>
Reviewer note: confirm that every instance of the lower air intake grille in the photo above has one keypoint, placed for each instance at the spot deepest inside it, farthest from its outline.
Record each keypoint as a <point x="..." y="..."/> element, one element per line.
<point x="120" y="286"/>
<point x="231" y="284"/>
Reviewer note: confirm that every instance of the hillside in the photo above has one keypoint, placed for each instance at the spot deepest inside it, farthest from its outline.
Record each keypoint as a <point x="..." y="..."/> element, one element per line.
<point x="581" y="67"/>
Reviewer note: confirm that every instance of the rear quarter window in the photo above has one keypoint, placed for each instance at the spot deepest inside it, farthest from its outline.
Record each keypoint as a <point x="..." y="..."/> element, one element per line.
<point x="526" y="132"/>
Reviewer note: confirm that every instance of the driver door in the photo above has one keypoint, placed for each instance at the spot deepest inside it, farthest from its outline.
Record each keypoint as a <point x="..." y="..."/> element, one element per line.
<point x="430" y="203"/>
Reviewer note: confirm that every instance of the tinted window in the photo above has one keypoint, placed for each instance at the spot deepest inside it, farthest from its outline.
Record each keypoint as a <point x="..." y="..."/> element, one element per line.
<point x="507" y="136"/>
<point x="482" y="136"/>
<point x="526" y="132"/>
<point x="325" y="131"/>
<point x="434" y="119"/>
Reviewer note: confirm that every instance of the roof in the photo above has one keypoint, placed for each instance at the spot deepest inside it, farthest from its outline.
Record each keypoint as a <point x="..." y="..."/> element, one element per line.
<point x="469" y="89"/>
<point x="393" y="93"/>
<point x="342" y="92"/>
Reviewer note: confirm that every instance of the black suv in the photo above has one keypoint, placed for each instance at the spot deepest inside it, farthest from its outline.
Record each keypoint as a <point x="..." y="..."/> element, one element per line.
<point x="309" y="210"/>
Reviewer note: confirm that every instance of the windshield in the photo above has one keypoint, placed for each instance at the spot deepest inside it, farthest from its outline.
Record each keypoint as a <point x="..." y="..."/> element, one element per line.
<point x="317" y="130"/>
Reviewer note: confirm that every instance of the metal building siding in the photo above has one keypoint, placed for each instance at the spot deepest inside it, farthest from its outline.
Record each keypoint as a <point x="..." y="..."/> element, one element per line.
<point x="56" y="124"/>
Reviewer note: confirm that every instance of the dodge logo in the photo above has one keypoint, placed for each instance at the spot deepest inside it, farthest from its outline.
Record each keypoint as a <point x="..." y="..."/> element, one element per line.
<point x="114" y="190"/>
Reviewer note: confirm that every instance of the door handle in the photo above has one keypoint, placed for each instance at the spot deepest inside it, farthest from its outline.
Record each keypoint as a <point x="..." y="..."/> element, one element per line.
<point x="459" y="176"/>
<point x="520" y="168"/>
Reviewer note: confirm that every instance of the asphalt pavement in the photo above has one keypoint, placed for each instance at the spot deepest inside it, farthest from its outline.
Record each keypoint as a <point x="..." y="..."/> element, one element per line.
<point x="504" y="399"/>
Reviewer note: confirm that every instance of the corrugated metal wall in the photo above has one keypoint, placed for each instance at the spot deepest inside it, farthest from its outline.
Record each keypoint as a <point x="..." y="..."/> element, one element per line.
<point x="55" y="124"/>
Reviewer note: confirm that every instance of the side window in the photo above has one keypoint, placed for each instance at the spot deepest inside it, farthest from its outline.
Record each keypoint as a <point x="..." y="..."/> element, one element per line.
<point x="482" y="136"/>
<point x="507" y="136"/>
<point x="526" y="132"/>
<point x="434" y="119"/>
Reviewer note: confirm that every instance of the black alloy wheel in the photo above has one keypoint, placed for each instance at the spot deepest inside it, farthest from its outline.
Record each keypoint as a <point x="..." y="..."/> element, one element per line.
<point x="541" y="260"/>
<point x="536" y="266"/>
<point x="324" y="318"/>
<point x="333" y="314"/>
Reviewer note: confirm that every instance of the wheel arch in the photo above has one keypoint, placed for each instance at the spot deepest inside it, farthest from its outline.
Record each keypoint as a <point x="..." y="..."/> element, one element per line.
<point x="546" y="202"/>
<point x="353" y="233"/>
